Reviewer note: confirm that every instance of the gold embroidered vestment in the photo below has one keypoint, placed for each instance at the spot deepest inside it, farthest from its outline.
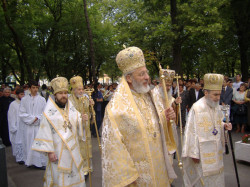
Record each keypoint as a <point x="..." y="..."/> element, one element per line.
<point x="133" y="142"/>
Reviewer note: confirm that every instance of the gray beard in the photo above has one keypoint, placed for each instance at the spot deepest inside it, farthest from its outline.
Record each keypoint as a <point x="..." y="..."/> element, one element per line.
<point x="78" y="96"/>
<point x="139" y="87"/>
<point x="168" y="92"/>
<point x="211" y="103"/>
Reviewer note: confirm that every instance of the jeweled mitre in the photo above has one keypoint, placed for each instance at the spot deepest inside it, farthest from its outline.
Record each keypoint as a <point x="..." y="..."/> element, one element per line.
<point x="213" y="81"/>
<point x="76" y="82"/>
<point x="59" y="84"/>
<point x="130" y="59"/>
<point x="168" y="75"/>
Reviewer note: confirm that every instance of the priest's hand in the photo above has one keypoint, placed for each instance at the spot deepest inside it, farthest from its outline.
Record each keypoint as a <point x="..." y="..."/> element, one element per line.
<point x="85" y="117"/>
<point x="178" y="100"/>
<point x="228" y="126"/>
<point x="35" y="120"/>
<point x="196" y="160"/>
<point x="52" y="157"/>
<point x="170" y="114"/>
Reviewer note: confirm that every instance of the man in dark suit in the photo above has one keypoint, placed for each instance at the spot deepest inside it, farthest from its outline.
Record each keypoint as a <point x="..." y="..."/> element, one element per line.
<point x="226" y="94"/>
<point x="195" y="94"/>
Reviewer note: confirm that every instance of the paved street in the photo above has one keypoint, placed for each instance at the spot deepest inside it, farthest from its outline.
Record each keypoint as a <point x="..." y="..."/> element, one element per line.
<point x="20" y="176"/>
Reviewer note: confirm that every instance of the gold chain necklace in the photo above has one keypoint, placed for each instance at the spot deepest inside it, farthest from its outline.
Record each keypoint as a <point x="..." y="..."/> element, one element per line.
<point x="215" y="131"/>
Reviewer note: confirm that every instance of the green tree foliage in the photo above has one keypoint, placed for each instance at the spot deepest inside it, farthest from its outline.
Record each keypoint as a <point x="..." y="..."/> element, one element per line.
<point x="193" y="37"/>
<point x="50" y="38"/>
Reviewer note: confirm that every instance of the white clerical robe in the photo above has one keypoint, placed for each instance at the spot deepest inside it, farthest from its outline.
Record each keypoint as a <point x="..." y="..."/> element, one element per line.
<point x="15" y="132"/>
<point x="30" y="108"/>
<point x="201" y="143"/>
<point x="59" y="132"/>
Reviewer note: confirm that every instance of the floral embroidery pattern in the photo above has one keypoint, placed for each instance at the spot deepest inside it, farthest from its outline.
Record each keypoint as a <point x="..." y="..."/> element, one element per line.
<point x="52" y="111"/>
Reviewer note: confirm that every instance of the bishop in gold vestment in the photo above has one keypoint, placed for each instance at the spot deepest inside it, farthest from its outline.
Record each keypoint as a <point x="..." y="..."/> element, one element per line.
<point x="134" y="139"/>
<point x="203" y="144"/>
<point x="160" y="104"/>
<point x="81" y="103"/>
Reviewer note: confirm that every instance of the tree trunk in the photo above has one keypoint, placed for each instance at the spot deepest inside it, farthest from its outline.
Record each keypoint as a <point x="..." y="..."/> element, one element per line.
<point x="241" y="11"/>
<point x="19" y="47"/>
<point x="91" y="43"/>
<point x="233" y="67"/>
<point x="90" y="72"/>
<point x="177" y="59"/>
<point x="3" y="70"/>
<point x="49" y="64"/>
<point x="227" y="65"/>
<point x="6" y="62"/>
<point x="243" y="58"/>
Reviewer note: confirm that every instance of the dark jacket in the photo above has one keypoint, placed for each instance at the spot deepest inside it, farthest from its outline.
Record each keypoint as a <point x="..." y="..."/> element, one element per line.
<point x="226" y="96"/>
<point x="192" y="97"/>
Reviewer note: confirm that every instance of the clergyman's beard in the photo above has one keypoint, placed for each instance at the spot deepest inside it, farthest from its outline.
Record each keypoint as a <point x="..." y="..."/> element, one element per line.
<point x="79" y="95"/>
<point x="62" y="101"/>
<point x="139" y="87"/>
<point x="168" y="92"/>
<point x="212" y="103"/>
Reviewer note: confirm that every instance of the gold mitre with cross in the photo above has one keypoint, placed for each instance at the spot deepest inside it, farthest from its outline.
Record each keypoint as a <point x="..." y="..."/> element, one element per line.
<point x="213" y="81"/>
<point x="59" y="84"/>
<point x="169" y="75"/>
<point x="130" y="59"/>
<point x="76" y="82"/>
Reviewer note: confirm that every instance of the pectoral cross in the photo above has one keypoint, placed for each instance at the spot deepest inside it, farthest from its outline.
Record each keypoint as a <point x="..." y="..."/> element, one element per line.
<point x="65" y="125"/>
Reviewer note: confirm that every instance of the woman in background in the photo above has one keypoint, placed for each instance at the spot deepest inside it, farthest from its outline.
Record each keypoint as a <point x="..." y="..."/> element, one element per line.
<point x="240" y="109"/>
<point x="247" y="99"/>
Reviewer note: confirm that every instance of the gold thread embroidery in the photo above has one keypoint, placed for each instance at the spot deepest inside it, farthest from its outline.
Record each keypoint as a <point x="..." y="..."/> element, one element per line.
<point x="70" y="138"/>
<point x="220" y="157"/>
<point x="39" y="139"/>
<point x="191" y="172"/>
<point x="73" y="147"/>
<point x="57" y="129"/>
<point x="206" y="124"/>
<point x="206" y="155"/>
<point x="209" y="161"/>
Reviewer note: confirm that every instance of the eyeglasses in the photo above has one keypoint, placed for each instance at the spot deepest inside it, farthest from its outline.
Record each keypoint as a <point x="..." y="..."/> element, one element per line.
<point x="143" y="73"/>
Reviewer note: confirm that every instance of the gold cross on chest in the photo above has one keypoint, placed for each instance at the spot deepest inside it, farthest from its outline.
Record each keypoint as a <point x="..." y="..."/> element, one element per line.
<point x="206" y="124"/>
<point x="65" y="125"/>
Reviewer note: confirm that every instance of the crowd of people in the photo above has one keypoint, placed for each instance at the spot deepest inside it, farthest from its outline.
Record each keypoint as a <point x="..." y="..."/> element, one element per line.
<point x="136" y="136"/>
<point x="234" y="93"/>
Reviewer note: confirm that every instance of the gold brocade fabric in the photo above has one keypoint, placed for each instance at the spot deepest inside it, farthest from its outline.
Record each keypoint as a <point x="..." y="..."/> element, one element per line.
<point x="213" y="81"/>
<point x="129" y="59"/>
<point x="83" y="107"/>
<point x="132" y="146"/>
<point x="160" y="105"/>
